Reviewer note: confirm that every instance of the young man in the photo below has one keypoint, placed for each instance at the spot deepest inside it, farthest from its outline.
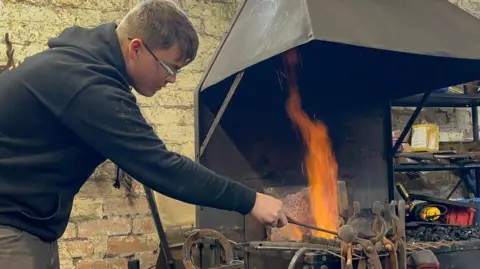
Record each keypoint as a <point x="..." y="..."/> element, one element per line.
<point x="65" y="110"/>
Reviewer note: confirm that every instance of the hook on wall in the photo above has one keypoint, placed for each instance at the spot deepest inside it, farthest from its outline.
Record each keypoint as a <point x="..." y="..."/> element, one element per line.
<point x="10" y="51"/>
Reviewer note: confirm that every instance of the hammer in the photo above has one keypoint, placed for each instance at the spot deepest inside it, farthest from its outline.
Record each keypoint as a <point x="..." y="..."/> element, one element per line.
<point x="423" y="259"/>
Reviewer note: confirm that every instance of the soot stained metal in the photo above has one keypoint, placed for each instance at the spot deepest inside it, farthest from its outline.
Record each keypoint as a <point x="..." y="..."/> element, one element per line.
<point x="386" y="248"/>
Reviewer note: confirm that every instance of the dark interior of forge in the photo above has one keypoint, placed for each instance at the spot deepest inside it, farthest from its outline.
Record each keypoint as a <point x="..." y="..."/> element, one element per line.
<point x="346" y="87"/>
<point x="257" y="144"/>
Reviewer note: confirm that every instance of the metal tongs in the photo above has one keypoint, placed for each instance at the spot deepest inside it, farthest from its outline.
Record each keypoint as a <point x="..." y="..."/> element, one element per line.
<point x="294" y="222"/>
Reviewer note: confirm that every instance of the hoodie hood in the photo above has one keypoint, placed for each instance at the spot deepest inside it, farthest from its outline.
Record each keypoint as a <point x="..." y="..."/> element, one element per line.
<point x="101" y="43"/>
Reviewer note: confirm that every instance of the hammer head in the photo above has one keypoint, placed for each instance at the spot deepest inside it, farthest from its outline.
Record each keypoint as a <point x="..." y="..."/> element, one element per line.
<point x="423" y="259"/>
<point x="347" y="233"/>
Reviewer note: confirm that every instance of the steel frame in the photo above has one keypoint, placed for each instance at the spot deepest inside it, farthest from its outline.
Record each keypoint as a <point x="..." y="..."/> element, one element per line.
<point x="222" y="109"/>
<point x="420" y="167"/>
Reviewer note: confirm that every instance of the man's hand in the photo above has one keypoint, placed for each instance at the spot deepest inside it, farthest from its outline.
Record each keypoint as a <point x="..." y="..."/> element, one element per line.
<point x="269" y="211"/>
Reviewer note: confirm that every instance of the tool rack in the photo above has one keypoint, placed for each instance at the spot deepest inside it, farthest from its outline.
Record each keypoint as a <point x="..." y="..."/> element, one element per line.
<point x="430" y="99"/>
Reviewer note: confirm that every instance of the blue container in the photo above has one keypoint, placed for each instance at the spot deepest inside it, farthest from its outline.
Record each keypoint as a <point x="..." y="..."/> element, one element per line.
<point x="476" y="217"/>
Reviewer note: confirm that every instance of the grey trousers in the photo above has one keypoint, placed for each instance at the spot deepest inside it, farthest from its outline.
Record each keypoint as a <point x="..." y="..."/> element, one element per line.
<point x="21" y="250"/>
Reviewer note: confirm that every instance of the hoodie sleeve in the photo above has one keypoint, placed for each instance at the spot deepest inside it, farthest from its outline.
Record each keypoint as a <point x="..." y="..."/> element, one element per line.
<point x="109" y="120"/>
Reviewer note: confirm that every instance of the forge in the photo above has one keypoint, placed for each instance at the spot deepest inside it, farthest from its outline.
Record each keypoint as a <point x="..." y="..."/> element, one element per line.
<point x="316" y="132"/>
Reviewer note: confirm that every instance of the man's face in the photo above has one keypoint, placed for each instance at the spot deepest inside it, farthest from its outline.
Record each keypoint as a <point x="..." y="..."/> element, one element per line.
<point x="152" y="70"/>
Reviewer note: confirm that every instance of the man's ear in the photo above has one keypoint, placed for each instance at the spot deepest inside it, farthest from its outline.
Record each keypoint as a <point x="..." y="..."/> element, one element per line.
<point x="134" y="48"/>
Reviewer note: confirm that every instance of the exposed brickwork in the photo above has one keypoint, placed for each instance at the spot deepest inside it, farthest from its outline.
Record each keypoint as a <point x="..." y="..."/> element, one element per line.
<point x="143" y="225"/>
<point x="455" y="123"/>
<point x="106" y="228"/>
<point x="115" y="263"/>
<point x="121" y="245"/>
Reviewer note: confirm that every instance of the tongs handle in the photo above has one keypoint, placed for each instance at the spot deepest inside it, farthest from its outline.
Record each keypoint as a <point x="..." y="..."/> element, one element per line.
<point x="294" y="222"/>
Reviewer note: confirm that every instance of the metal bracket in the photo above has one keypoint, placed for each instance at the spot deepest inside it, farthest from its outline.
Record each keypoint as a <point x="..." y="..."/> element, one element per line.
<point x="219" y="115"/>
<point x="410" y="123"/>
<point x="390" y="152"/>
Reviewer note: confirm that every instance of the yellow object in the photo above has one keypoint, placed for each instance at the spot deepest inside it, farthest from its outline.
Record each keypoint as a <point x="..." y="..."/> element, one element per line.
<point x="403" y="192"/>
<point x="425" y="137"/>
<point x="420" y="211"/>
<point x="430" y="213"/>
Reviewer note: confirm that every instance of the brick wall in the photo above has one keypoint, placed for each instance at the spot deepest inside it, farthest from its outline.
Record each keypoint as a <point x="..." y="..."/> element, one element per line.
<point x="110" y="225"/>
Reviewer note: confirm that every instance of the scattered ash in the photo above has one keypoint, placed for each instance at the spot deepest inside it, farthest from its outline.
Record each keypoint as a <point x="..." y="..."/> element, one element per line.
<point x="442" y="233"/>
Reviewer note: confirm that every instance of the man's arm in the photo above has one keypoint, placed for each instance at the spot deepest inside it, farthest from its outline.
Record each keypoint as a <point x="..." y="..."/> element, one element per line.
<point x="108" y="119"/>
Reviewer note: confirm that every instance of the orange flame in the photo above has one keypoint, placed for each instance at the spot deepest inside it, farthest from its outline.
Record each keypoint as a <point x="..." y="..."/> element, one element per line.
<point x="320" y="162"/>
<point x="297" y="234"/>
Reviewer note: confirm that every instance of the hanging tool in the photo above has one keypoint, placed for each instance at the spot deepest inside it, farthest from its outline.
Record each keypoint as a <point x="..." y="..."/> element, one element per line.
<point x="398" y="231"/>
<point x="348" y="235"/>
<point x="380" y="233"/>
<point x="9" y="52"/>
<point x="294" y="222"/>
<point x="423" y="211"/>
<point x="423" y="259"/>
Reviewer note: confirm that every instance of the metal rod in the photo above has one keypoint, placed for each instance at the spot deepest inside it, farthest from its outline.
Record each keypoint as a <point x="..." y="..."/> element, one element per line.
<point x="433" y="167"/>
<point x="222" y="43"/>
<point x="475" y="121"/>
<point x="316" y="249"/>
<point x="158" y="224"/>
<point x="476" y="138"/>
<point x="454" y="189"/>
<point x="294" y="222"/>
<point x="222" y="109"/>
<point x="296" y="257"/>
<point x="239" y="265"/>
<point x="410" y="123"/>
<point x="204" y="77"/>
<point x="387" y="123"/>
<point x="465" y="176"/>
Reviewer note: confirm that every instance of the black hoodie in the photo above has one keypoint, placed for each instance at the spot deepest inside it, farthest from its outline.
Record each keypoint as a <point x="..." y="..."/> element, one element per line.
<point x="67" y="109"/>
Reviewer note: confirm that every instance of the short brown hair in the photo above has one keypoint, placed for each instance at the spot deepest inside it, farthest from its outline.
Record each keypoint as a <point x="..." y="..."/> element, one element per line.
<point x="161" y="24"/>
